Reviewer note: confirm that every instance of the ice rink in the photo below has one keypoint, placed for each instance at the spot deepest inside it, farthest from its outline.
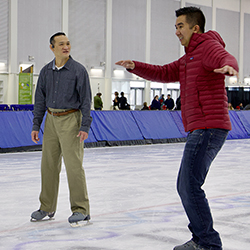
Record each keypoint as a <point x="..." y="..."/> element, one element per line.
<point x="133" y="199"/>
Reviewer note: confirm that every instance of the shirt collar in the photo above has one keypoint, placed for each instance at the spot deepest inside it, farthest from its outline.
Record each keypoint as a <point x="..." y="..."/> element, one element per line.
<point x="66" y="65"/>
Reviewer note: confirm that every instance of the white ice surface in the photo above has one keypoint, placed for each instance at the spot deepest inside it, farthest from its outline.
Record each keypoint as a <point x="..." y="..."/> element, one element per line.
<point x="133" y="199"/>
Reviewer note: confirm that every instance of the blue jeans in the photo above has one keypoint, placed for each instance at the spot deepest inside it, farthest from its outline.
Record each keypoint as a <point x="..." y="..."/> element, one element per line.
<point x="201" y="148"/>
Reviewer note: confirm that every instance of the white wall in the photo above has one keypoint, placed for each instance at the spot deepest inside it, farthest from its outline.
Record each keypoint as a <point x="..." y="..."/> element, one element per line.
<point x="104" y="31"/>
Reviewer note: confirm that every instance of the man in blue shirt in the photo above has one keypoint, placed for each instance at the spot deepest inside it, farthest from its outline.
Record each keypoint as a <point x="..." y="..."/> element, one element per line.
<point x="63" y="89"/>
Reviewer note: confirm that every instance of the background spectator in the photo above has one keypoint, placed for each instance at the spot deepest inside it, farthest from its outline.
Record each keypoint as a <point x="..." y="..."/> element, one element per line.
<point x="161" y="100"/>
<point x="169" y="102"/>
<point x="230" y="107"/>
<point x="145" y="106"/>
<point x="241" y="106"/>
<point x="98" y="104"/>
<point x="116" y="101"/>
<point x="178" y="103"/>
<point x="123" y="104"/>
<point x="155" y="103"/>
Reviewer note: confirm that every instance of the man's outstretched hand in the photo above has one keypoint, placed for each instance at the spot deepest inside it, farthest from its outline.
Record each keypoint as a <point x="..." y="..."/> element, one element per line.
<point x="227" y="70"/>
<point x="128" y="64"/>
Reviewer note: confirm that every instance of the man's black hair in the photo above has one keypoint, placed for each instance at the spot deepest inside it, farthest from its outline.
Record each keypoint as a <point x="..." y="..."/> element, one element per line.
<point x="52" y="39"/>
<point x="194" y="16"/>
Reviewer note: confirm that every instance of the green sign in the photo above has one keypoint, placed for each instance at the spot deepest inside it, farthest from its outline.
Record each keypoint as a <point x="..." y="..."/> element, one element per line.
<point x="25" y="88"/>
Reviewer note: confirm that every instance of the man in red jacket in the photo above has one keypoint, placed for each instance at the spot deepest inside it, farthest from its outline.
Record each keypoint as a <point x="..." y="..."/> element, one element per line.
<point x="201" y="75"/>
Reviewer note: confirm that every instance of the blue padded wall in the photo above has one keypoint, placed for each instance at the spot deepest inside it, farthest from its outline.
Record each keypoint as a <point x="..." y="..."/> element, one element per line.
<point x="91" y="137"/>
<point x="115" y="126"/>
<point x="15" y="129"/>
<point x="244" y="117"/>
<point x="238" y="130"/>
<point x="108" y="126"/>
<point x="178" y="121"/>
<point x="156" y="124"/>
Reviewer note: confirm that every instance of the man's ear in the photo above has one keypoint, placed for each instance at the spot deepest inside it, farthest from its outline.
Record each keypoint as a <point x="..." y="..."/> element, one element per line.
<point x="51" y="47"/>
<point x="196" y="29"/>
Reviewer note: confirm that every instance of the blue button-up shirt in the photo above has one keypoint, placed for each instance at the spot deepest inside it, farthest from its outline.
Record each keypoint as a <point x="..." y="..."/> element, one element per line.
<point x="67" y="88"/>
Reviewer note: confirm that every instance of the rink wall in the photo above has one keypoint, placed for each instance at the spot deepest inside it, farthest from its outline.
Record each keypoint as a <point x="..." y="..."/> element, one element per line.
<point x="114" y="128"/>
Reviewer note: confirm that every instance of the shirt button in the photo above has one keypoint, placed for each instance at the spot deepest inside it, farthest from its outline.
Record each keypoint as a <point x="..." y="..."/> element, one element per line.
<point x="53" y="101"/>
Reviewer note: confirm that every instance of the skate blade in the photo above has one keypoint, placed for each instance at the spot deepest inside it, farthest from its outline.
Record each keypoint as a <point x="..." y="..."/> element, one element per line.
<point x="42" y="220"/>
<point x="82" y="223"/>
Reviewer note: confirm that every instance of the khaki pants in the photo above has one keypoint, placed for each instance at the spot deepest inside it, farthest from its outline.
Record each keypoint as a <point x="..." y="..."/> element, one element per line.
<point x="60" y="140"/>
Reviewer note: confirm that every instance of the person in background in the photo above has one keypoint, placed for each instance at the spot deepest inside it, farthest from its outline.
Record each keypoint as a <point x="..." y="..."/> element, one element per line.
<point x="178" y="103"/>
<point x="241" y="106"/>
<point x="230" y="106"/>
<point x="116" y="101"/>
<point x="98" y="104"/>
<point x="155" y="104"/>
<point x="123" y="103"/>
<point x="169" y="102"/>
<point x="161" y="100"/>
<point x="200" y="72"/>
<point x="145" y="106"/>
<point x="63" y="88"/>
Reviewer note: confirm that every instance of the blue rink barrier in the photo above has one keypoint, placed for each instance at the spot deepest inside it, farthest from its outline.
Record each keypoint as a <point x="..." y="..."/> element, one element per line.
<point x="111" y="128"/>
<point x="115" y="126"/>
<point x="157" y="125"/>
<point x="22" y="107"/>
<point x="245" y="120"/>
<point x="178" y="121"/>
<point x="238" y="127"/>
<point x="15" y="130"/>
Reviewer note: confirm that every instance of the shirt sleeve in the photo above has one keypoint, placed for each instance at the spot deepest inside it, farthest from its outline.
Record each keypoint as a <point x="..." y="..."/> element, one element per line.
<point x="40" y="102"/>
<point x="84" y="91"/>
<point x="166" y="73"/>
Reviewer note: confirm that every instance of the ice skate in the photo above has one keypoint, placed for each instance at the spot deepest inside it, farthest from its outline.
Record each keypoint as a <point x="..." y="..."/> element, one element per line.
<point x="40" y="214"/>
<point x="190" y="245"/>
<point x="78" y="219"/>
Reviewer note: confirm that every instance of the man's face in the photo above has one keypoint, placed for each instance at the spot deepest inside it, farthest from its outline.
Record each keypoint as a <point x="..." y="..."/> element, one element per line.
<point x="61" y="47"/>
<point x="183" y="30"/>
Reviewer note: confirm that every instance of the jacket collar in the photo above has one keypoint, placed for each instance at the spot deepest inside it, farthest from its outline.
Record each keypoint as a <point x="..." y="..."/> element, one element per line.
<point x="197" y="39"/>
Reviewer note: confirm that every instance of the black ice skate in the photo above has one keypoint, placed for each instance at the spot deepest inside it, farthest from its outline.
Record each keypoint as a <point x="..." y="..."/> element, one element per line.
<point x="78" y="219"/>
<point x="40" y="214"/>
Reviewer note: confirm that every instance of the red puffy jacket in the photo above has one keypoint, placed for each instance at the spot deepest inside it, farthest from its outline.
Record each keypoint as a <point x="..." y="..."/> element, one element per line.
<point x="204" y="102"/>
